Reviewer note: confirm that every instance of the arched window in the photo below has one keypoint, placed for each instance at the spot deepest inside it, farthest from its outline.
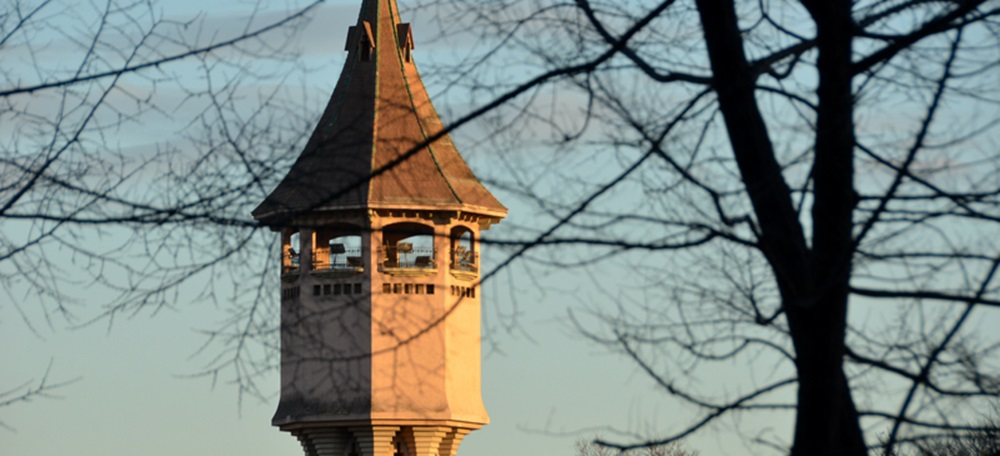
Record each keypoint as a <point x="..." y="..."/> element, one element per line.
<point x="338" y="248"/>
<point x="407" y="246"/>
<point x="291" y="249"/>
<point x="464" y="256"/>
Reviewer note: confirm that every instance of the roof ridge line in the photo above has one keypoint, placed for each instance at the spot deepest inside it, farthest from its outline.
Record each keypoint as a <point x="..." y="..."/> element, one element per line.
<point x="420" y="123"/>
<point x="377" y="83"/>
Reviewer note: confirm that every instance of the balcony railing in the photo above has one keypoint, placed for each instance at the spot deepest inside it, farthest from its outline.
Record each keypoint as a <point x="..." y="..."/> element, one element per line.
<point x="344" y="260"/>
<point x="406" y="258"/>
<point x="289" y="263"/>
<point x="464" y="260"/>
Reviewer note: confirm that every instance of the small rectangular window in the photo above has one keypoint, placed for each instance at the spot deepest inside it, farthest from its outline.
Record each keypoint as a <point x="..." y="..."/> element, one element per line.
<point x="386" y="288"/>
<point x="336" y="288"/>
<point x="419" y="288"/>
<point x="347" y="288"/>
<point x="316" y="290"/>
<point x="357" y="288"/>
<point x="326" y="290"/>
<point x="430" y="289"/>
<point x="408" y="288"/>
<point x="397" y="288"/>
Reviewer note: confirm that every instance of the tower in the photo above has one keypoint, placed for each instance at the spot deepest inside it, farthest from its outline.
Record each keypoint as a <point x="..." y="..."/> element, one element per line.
<point x="380" y="310"/>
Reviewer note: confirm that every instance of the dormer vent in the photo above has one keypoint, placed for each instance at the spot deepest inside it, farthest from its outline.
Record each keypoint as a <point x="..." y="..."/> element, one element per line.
<point x="361" y="38"/>
<point x="404" y="33"/>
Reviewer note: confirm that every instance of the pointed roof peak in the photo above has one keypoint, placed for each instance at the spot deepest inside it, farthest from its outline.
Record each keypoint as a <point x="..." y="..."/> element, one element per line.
<point x="378" y="113"/>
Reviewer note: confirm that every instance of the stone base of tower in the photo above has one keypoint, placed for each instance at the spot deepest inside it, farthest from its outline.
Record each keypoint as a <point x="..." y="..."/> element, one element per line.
<point x="380" y="439"/>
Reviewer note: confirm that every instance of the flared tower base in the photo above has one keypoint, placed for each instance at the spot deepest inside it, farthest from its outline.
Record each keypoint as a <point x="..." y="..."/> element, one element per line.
<point x="382" y="439"/>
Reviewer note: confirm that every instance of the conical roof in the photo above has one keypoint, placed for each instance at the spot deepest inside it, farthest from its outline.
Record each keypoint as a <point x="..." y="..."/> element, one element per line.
<point x="379" y="112"/>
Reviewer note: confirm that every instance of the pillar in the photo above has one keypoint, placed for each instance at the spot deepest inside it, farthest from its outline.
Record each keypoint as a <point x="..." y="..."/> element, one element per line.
<point x="449" y="445"/>
<point x="306" y="445"/>
<point x="375" y="440"/>
<point x="306" y="239"/>
<point x="330" y="442"/>
<point x="425" y="440"/>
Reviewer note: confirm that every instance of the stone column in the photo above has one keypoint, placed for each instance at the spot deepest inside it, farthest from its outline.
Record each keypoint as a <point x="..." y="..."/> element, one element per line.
<point x="329" y="442"/>
<point x="304" y="441"/>
<point x="449" y="445"/>
<point x="306" y="238"/>
<point x="425" y="440"/>
<point x="375" y="440"/>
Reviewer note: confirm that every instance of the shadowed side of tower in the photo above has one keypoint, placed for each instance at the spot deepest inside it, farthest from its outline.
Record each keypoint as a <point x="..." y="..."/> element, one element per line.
<point x="380" y="319"/>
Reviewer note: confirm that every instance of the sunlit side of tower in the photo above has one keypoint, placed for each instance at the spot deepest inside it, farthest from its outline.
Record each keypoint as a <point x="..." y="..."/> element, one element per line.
<point x="380" y="307"/>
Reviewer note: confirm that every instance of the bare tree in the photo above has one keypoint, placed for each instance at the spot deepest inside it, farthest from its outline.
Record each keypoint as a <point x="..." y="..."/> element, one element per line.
<point x="589" y="448"/>
<point x="808" y="186"/>
<point x="31" y="390"/>
<point x="984" y="441"/>
<point x="134" y="145"/>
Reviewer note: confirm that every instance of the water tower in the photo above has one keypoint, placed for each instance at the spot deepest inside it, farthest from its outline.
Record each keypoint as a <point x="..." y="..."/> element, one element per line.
<point x="380" y="305"/>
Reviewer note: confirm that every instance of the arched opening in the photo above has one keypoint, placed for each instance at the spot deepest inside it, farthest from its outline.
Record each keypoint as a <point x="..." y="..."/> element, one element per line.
<point x="464" y="256"/>
<point x="338" y="248"/>
<point x="291" y="249"/>
<point x="407" y="246"/>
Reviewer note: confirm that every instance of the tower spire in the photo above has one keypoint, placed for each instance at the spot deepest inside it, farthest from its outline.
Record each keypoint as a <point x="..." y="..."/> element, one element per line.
<point x="379" y="112"/>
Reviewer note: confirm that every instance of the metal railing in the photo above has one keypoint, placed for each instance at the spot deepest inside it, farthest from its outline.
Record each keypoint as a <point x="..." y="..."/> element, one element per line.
<point x="346" y="259"/>
<point x="464" y="260"/>
<point x="289" y="263"/>
<point x="407" y="258"/>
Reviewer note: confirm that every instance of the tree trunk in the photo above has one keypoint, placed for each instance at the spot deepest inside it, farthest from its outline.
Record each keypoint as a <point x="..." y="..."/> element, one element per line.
<point x="826" y="422"/>
<point x="813" y="281"/>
